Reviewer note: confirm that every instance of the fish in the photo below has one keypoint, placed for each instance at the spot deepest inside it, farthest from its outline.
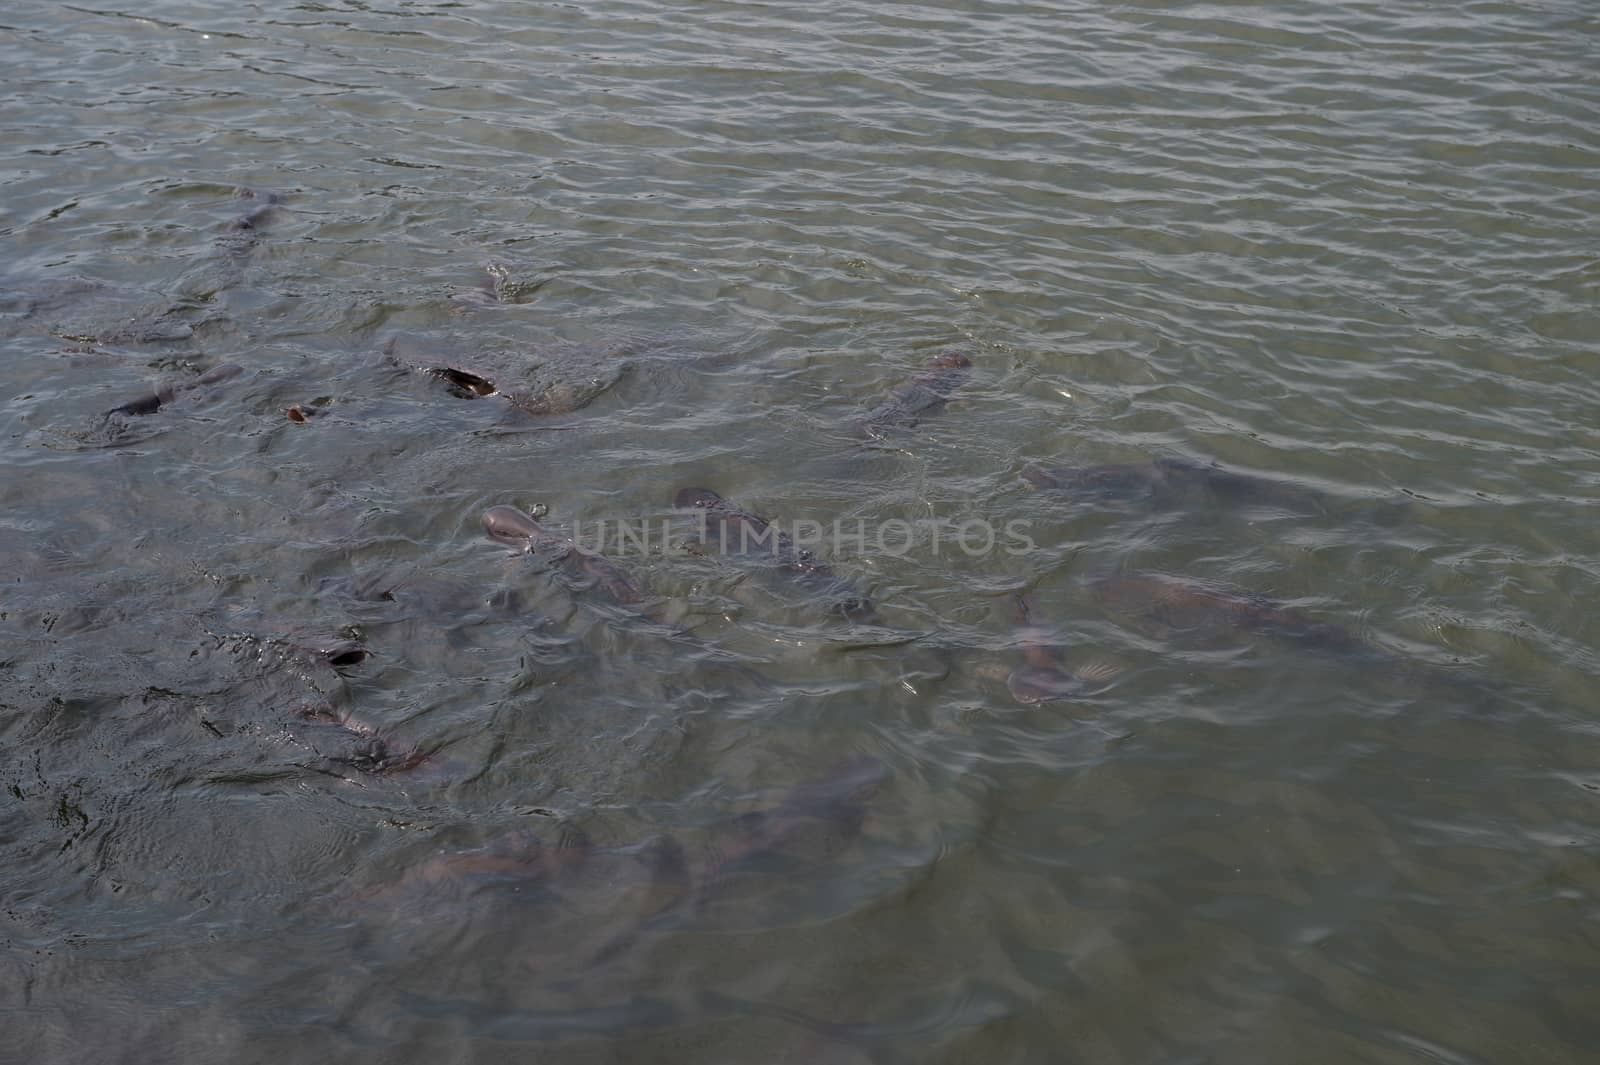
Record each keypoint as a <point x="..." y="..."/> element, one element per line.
<point x="588" y="569"/>
<point x="1169" y="605"/>
<point x="314" y="656"/>
<point x="320" y="662"/>
<point x="153" y="401"/>
<point x="516" y="861"/>
<point x="520" y="861"/>
<point x="198" y="287"/>
<point x="512" y="527"/>
<point x="1042" y="678"/>
<point x="835" y="798"/>
<point x="1171" y="482"/>
<point x="258" y="217"/>
<point x="463" y="383"/>
<point x="833" y="802"/>
<point x="91" y="313"/>
<point x="372" y="752"/>
<point x="923" y="395"/>
<point x="740" y="532"/>
<point x="558" y="380"/>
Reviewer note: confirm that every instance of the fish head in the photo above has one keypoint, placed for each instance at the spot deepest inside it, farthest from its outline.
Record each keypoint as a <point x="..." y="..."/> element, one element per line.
<point x="341" y="653"/>
<point x="695" y="497"/>
<point x="1043" y="684"/>
<point x="857" y="608"/>
<point x="463" y="383"/>
<point x="511" y="526"/>
<point x="1121" y="483"/>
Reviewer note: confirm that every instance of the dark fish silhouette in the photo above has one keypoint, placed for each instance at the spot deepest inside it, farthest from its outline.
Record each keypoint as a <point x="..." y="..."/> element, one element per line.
<point x="1167" y="605"/>
<point x="258" y="217"/>
<point x="520" y="861"/>
<point x="833" y="802"/>
<point x="585" y="569"/>
<point x="92" y="312"/>
<point x="1167" y="482"/>
<point x="462" y="383"/>
<point x="373" y="753"/>
<point x="921" y="396"/>
<point x="197" y="288"/>
<point x="737" y="531"/>
<point x="558" y="380"/>
<point x="1042" y="678"/>
<point x="320" y="661"/>
<point x="154" y="401"/>
<point x="834" y="798"/>
<point x="516" y="861"/>
<point x="338" y="654"/>
<point x="512" y="527"/>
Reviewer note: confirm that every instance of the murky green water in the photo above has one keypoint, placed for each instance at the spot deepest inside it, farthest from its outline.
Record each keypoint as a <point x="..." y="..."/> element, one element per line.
<point x="1353" y="249"/>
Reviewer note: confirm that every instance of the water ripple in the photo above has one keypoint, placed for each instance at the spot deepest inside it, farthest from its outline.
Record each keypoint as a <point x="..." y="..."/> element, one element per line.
<point x="1342" y="249"/>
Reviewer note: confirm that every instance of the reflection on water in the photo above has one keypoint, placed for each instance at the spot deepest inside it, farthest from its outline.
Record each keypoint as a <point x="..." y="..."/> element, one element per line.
<point x="1271" y="330"/>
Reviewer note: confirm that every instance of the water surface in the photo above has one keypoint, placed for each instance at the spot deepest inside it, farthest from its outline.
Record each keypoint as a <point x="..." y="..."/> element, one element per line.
<point x="1352" y="248"/>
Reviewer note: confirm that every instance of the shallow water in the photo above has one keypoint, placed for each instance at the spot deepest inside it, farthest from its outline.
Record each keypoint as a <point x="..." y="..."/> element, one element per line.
<point x="1348" y="248"/>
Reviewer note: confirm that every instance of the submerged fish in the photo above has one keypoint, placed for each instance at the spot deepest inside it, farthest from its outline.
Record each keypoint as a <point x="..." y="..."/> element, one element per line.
<point x="258" y="217"/>
<point x="1171" y="482"/>
<point x="923" y="395"/>
<point x="90" y="312"/>
<point x="319" y="662"/>
<point x="557" y="381"/>
<point x="835" y="798"/>
<point x="833" y="803"/>
<point x="737" y="531"/>
<point x="335" y="654"/>
<point x="1042" y="677"/>
<point x="516" y="861"/>
<point x="514" y="528"/>
<point x="154" y="401"/>
<point x="1168" y="605"/>
<point x="520" y="861"/>
<point x="174" y="318"/>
